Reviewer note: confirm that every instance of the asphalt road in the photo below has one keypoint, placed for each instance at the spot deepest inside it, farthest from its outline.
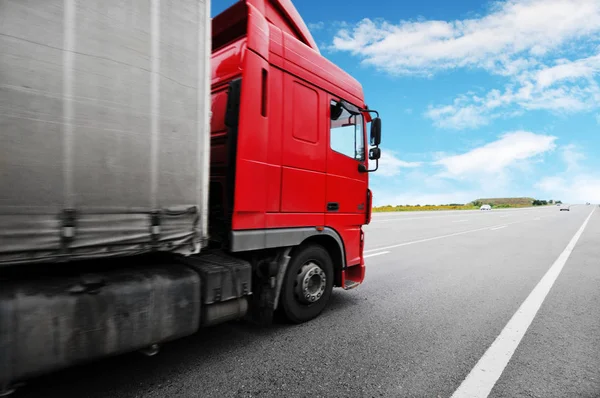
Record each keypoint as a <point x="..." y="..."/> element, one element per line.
<point x="453" y="303"/>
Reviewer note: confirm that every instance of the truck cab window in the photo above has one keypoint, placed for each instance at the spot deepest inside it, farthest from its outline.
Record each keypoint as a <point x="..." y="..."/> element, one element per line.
<point x="347" y="134"/>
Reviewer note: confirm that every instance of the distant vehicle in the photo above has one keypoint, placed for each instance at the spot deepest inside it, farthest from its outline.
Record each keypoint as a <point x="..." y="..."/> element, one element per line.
<point x="565" y="207"/>
<point x="485" y="207"/>
<point x="587" y="204"/>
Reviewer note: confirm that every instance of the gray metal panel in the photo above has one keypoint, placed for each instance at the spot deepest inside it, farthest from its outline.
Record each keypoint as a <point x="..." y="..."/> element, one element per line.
<point x="258" y="239"/>
<point x="30" y="104"/>
<point x="46" y="325"/>
<point x="104" y="108"/>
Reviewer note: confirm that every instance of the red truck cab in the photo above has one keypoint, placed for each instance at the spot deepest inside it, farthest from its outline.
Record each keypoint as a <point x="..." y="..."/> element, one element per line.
<point x="289" y="160"/>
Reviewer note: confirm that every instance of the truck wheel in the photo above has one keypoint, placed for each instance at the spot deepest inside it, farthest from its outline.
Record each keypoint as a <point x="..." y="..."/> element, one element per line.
<point x="307" y="284"/>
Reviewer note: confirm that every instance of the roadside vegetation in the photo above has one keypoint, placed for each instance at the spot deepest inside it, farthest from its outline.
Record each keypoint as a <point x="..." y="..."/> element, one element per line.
<point x="496" y="203"/>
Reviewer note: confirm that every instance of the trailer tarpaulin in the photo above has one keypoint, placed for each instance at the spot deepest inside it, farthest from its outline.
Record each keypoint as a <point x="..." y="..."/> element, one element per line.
<point x="104" y="128"/>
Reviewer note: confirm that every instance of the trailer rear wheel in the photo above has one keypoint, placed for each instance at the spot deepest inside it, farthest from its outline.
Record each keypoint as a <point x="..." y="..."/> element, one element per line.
<point x="308" y="284"/>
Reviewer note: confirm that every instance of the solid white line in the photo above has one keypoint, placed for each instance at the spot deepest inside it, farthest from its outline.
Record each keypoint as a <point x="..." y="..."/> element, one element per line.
<point x="487" y="371"/>
<point x="497" y="228"/>
<point x="375" y="254"/>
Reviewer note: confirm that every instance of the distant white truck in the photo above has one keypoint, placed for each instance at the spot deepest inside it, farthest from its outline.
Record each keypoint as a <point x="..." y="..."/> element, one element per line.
<point x="485" y="207"/>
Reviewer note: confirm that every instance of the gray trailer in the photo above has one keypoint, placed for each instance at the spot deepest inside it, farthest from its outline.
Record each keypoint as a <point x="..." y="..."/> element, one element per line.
<point x="104" y="116"/>
<point x="104" y="154"/>
<point x="105" y="134"/>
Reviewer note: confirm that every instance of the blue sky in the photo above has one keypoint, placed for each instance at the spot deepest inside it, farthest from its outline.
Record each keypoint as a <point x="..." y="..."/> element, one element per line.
<point x="478" y="99"/>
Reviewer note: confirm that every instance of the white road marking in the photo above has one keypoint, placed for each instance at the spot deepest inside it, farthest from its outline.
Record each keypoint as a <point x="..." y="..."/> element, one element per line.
<point x="437" y="237"/>
<point x="375" y="254"/>
<point x="412" y="218"/>
<point x="482" y="378"/>
<point x="393" y="219"/>
<point x="401" y="216"/>
<point x="497" y="228"/>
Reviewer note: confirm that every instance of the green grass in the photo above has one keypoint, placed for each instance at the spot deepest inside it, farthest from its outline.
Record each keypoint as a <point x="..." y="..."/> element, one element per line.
<point x="524" y="202"/>
<point x="496" y="203"/>
<point x="381" y="209"/>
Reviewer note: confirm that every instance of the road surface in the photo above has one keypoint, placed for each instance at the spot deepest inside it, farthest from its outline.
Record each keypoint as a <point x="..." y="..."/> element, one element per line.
<point x="501" y="303"/>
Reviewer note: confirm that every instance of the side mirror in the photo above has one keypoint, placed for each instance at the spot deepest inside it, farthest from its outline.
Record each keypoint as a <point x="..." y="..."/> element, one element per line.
<point x="374" y="154"/>
<point x="375" y="131"/>
<point x="336" y="111"/>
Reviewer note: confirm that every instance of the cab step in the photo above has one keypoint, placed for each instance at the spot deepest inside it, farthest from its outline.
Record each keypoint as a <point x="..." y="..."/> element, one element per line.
<point x="350" y="284"/>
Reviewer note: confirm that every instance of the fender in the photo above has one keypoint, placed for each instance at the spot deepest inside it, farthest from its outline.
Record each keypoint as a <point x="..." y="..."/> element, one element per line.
<point x="258" y="239"/>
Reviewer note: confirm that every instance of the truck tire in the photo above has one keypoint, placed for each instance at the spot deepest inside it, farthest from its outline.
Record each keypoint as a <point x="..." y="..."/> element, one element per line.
<point x="307" y="284"/>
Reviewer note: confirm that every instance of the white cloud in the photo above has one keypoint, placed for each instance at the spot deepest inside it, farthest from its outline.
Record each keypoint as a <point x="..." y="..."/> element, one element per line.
<point x="390" y="165"/>
<point x="314" y="26"/>
<point x="572" y="157"/>
<point x="575" y="184"/>
<point x="532" y="90"/>
<point x="551" y="184"/>
<point x="492" y="169"/>
<point x="510" y="37"/>
<point x="522" y="40"/>
<point x="568" y="70"/>
<point x="457" y="116"/>
<point x="495" y="157"/>
<point x="484" y="171"/>
<point x="578" y="188"/>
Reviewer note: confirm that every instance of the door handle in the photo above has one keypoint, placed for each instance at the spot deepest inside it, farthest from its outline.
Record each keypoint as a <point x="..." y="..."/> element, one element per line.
<point x="333" y="206"/>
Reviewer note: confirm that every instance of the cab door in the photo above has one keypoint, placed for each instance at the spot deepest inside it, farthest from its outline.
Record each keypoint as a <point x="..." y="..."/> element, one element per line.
<point x="346" y="191"/>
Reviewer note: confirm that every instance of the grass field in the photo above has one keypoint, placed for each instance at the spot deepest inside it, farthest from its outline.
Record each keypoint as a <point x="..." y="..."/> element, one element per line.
<point x="506" y="201"/>
<point x="496" y="203"/>
<point x="423" y="208"/>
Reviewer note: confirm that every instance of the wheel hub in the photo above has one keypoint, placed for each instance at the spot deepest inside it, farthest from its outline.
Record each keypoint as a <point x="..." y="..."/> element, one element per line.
<point x="310" y="283"/>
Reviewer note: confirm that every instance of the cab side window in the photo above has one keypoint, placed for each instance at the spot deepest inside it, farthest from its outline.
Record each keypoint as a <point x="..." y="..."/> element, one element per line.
<point x="346" y="132"/>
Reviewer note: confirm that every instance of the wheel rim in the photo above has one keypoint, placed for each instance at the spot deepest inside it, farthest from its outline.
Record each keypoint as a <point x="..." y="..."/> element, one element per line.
<point x="310" y="283"/>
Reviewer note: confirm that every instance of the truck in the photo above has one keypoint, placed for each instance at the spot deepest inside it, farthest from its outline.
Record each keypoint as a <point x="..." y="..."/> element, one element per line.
<point x="162" y="171"/>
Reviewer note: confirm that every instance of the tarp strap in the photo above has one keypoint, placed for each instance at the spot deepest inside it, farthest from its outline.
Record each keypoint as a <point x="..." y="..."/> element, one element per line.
<point x="67" y="231"/>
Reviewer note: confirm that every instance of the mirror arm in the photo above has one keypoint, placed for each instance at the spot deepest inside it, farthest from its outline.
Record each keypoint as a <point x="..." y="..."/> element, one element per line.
<point x="370" y="111"/>
<point x="376" y="166"/>
<point x="363" y="169"/>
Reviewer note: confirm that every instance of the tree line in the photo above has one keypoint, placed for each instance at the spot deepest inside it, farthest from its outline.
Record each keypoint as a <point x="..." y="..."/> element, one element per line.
<point x="538" y="202"/>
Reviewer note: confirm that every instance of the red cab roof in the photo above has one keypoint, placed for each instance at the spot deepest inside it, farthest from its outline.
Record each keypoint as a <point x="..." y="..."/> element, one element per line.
<point x="294" y="20"/>
<point x="280" y="12"/>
